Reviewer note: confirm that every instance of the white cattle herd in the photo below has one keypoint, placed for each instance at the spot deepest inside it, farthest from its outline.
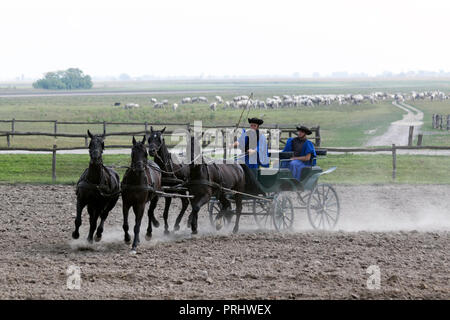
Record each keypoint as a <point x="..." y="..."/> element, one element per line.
<point x="291" y="101"/>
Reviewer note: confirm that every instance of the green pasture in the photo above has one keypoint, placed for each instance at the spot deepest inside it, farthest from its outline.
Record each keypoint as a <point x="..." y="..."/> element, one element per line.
<point x="341" y="126"/>
<point x="351" y="169"/>
<point x="344" y="126"/>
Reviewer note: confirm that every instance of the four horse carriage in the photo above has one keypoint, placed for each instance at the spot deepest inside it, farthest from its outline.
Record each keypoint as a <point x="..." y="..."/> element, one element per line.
<point x="280" y="195"/>
<point x="271" y="197"/>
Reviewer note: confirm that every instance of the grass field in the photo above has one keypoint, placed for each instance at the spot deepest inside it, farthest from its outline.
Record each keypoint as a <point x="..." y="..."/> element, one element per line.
<point x="352" y="169"/>
<point x="344" y="125"/>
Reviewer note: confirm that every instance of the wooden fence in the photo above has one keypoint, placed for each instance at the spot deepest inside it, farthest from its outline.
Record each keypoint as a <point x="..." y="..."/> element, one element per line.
<point x="287" y="130"/>
<point x="438" y="121"/>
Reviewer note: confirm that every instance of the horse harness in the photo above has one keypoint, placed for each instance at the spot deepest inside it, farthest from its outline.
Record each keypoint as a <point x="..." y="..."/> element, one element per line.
<point x="86" y="184"/>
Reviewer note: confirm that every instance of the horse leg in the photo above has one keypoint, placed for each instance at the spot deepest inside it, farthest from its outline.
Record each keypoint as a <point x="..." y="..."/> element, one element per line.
<point x="93" y="216"/>
<point x="139" y="213"/>
<point x="184" y="205"/>
<point x="80" y="206"/>
<point x="151" y="213"/>
<point x="110" y="205"/>
<point x="166" y="215"/>
<point x="196" y="205"/>
<point x="125" y="209"/>
<point x="238" y="200"/>
<point x="225" y="206"/>
<point x="151" y="218"/>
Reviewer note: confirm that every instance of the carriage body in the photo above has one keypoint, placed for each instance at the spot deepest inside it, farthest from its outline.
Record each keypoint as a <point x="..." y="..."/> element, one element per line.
<point x="281" y="195"/>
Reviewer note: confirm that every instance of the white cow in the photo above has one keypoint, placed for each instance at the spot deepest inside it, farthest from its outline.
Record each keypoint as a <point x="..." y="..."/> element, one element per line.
<point x="175" y="106"/>
<point x="213" y="106"/>
<point x="186" y="100"/>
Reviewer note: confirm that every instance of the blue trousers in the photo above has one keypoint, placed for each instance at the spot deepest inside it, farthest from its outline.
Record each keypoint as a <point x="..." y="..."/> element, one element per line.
<point x="296" y="167"/>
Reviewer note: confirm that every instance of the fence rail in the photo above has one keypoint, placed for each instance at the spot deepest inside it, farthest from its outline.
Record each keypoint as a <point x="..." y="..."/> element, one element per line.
<point x="288" y="130"/>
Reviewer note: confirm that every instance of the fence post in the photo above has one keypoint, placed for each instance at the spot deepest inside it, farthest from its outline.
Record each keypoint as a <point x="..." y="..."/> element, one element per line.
<point x="56" y="127"/>
<point x="419" y="139"/>
<point x="318" y="136"/>
<point x="394" y="162"/>
<point x="448" y="122"/>
<point x="86" y="141"/>
<point x="8" y="141"/>
<point x="54" y="164"/>
<point x="13" y="126"/>
<point x="146" y="127"/>
<point x="224" y="146"/>
<point x="104" y="127"/>
<point x="410" y="136"/>
<point x="433" y="120"/>
<point x="440" y="121"/>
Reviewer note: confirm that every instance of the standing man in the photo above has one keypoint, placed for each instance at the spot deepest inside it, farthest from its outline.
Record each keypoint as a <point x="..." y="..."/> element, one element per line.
<point x="304" y="152"/>
<point x="254" y="145"/>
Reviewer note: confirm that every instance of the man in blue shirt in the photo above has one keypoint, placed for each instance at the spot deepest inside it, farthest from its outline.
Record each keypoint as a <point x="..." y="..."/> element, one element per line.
<point x="304" y="152"/>
<point x="254" y="145"/>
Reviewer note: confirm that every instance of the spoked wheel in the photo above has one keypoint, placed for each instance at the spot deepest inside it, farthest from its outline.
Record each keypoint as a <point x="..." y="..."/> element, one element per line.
<point x="323" y="207"/>
<point x="283" y="212"/>
<point x="262" y="214"/>
<point x="302" y="198"/>
<point x="213" y="210"/>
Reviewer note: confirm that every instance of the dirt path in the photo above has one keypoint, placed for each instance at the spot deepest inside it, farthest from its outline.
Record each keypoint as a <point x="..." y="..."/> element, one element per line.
<point x="403" y="229"/>
<point x="399" y="130"/>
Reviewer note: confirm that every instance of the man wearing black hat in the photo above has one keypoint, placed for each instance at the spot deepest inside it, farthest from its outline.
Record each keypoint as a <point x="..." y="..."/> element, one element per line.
<point x="254" y="145"/>
<point x="304" y="152"/>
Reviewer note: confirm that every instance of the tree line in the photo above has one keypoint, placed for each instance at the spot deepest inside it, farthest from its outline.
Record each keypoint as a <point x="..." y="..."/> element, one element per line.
<point x="72" y="78"/>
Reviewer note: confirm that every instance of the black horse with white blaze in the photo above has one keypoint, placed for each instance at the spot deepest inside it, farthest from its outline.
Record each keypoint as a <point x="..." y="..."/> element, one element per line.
<point x="98" y="188"/>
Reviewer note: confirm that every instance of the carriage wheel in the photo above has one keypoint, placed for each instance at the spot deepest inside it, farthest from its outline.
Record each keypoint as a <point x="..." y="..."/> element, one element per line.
<point x="283" y="212"/>
<point x="262" y="214"/>
<point x="213" y="210"/>
<point x="302" y="198"/>
<point x="323" y="207"/>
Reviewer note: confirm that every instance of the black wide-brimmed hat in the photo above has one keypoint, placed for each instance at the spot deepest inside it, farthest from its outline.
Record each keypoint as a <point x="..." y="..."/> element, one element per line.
<point x="255" y="120"/>
<point x="304" y="129"/>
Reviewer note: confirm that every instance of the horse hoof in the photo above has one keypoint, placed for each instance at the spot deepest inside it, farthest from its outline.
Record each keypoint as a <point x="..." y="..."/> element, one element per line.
<point x="148" y="236"/>
<point x="133" y="251"/>
<point x="235" y="231"/>
<point x="176" y="228"/>
<point x="75" y="235"/>
<point x="98" y="238"/>
<point x="127" y="240"/>
<point x="194" y="231"/>
<point x="155" y="223"/>
<point x="166" y="232"/>
<point x="218" y="225"/>
<point x="90" y="241"/>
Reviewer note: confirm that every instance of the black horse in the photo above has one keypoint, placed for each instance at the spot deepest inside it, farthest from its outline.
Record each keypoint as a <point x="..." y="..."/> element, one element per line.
<point x="98" y="188"/>
<point x="175" y="173"/>
<point x="139" y="184"/>
<point x="206" y="180"/>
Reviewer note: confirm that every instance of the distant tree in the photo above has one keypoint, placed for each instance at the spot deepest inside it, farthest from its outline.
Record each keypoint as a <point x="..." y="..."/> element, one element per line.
<point x="72" y="78"/>
<point x="124" y="77"/>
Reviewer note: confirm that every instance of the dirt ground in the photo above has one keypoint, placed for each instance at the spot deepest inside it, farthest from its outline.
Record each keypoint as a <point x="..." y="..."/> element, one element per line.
<point x="402" y="229"/>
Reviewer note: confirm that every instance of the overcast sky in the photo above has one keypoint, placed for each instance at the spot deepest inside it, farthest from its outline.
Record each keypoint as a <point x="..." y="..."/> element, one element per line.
<point x="189" y="38"/>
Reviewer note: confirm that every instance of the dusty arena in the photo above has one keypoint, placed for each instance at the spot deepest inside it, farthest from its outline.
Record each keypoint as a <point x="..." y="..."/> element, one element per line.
<point x="404" y="230"/>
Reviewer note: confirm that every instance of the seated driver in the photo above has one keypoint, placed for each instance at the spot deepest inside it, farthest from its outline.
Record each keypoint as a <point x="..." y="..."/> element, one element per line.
<point x="304" y="152"/>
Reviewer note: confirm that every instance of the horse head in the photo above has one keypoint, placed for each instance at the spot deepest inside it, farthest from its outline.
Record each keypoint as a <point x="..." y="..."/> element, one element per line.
<point x="139" y="155"/>
<point x="155" y="141"/>
<point x="96" y="147"/>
